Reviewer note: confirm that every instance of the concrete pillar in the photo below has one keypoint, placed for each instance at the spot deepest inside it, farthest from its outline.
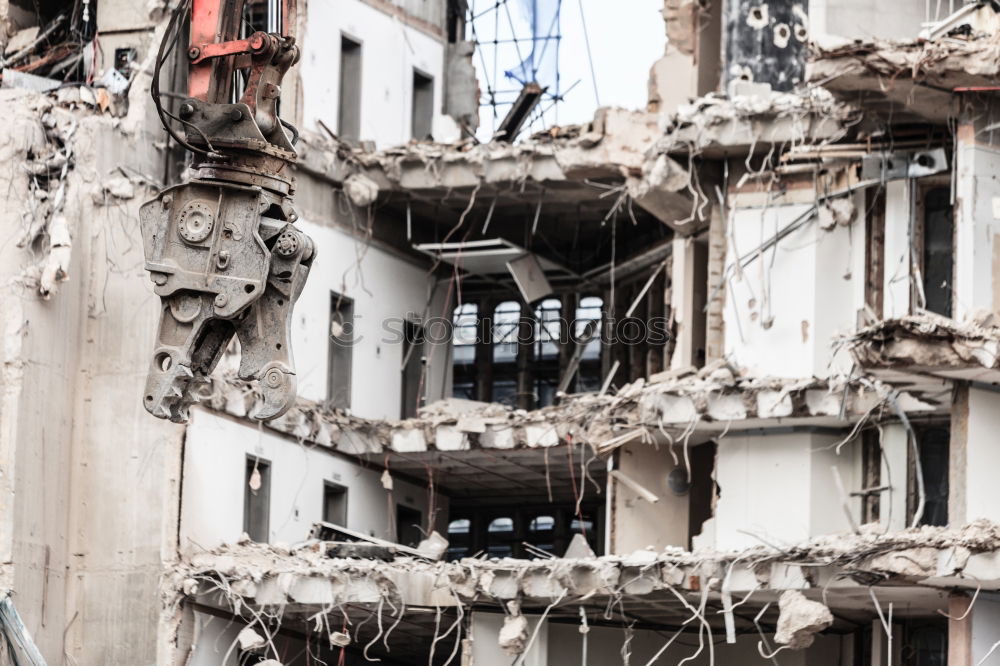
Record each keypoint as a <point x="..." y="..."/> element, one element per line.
<point x="715" y="334"/>
<point x="484" y="350"/>
<point x="897" y="274"/>
<point x="526" y="331"/>
<point x="895" y="456"/>
<point x="959" y="631"/>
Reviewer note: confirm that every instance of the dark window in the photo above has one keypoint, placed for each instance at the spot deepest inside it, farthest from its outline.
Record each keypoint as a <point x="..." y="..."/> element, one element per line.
<point x="423" y="105"/>
<point x="334" y="504"/>
<point x="932" y="443"/>
<point x="925" y="642"/>
<point x="257" y="499"/>
<point x="522" y="531"/>
<point x="459" y="538"/>
<point x="338" y="382"/>
<point x="414" y="379"/>
<point x="409" y="523"/>
<point x="871" y="473"/>
<point x="349" y="111"/>
<point x="938" y="250"/>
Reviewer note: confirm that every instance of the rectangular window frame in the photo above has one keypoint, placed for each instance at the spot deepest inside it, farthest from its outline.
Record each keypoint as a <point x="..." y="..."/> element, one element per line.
<point x="350" y="88"/>
<point x="257" y="527"/>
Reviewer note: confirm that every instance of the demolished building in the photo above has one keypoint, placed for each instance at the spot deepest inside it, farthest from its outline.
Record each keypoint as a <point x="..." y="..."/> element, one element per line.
<point x="713" y="382"/>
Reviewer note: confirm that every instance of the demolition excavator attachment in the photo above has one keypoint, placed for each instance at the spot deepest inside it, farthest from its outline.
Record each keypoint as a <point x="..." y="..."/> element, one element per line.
<point x="221" y="248"/>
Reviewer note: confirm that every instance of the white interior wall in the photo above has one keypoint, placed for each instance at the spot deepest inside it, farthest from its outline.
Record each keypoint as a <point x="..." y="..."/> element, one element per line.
<point x="985" y="626"/>
<point x="390" y="50"/>
<point x="804" y="503"/>
<point x="215" y="454"/>
<point x="796" y="297"/>
<point x="385" y="289"/>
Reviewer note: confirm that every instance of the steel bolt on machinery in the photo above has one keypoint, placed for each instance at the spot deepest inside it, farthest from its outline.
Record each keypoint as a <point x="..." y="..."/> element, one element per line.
<point x="221" y="248"/>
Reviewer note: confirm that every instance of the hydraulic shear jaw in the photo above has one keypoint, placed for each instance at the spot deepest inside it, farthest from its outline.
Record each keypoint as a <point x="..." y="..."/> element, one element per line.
<point x="221" y="268"/>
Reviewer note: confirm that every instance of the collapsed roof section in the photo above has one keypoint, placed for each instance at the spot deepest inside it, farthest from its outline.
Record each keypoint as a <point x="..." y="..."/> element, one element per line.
<point x="907" y="350"/>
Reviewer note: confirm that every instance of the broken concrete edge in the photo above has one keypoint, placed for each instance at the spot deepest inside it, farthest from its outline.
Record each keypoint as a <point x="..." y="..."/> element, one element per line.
<point x="927" y="341"/>
<point x="613" y="145"/>
<point x="752" y="120"/>
<point x="711" y="401"/>
<point x="977" y="55"/>
<point x="256" y="574"/>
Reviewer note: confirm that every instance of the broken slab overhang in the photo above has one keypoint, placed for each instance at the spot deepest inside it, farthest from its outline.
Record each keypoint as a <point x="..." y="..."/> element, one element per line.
<point x="909" y="350"/>
<point x="914" y="569"/>
<point x="492" y="449"/>
<point x="568" y="169"/>
<point x="907" y="81"/>
<point x="716" y="125"/>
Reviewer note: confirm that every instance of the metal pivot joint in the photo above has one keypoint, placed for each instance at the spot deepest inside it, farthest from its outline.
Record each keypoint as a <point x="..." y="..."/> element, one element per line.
<point x="221" y="248"/>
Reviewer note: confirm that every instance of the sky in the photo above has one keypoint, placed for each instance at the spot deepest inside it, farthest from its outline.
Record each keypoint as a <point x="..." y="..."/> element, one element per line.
<point x="626" y="37"/>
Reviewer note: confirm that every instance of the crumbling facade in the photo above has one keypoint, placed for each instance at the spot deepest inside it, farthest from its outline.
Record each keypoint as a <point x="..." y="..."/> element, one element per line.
<point x="712" y="382"/>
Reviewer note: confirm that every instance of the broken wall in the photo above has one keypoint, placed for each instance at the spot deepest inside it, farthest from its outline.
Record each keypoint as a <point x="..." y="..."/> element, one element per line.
<point x="92" y="481"/>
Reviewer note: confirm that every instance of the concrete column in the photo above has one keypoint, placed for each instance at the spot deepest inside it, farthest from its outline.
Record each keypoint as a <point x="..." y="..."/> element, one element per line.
<point x="526" y="332"/>
<point x="959" y="631"/>
<point x="895" y="456"/>
<point x="715" y="335"/>
<point x="484" y="350"/>
<point x="897" y="273"/>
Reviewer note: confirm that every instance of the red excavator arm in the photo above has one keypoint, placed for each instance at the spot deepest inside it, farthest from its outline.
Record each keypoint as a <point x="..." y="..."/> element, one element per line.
<point x="221" y="248"/>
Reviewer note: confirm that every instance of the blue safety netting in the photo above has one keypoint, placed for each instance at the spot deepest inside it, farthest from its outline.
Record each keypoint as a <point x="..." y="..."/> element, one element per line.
<point x="541" y="63"/>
